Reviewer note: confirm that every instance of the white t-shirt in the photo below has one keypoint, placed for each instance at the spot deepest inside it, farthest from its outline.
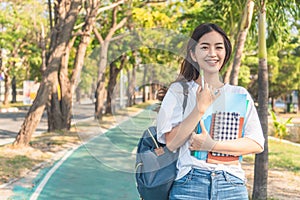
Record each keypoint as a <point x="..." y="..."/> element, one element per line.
<point x="171" y="114"/>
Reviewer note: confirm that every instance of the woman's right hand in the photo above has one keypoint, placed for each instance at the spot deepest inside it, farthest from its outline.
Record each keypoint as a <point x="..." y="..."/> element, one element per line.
<point x="204" y="98"/>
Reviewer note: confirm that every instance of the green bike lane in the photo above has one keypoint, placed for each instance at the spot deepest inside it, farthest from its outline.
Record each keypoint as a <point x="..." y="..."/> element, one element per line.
<point x="102" y="168"/>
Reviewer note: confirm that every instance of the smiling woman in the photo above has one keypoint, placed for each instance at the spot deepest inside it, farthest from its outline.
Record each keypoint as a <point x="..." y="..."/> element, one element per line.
<point x="208" y="50"/>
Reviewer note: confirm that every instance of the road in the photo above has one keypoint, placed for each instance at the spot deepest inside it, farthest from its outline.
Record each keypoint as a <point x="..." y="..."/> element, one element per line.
<point x="10" y="122"/>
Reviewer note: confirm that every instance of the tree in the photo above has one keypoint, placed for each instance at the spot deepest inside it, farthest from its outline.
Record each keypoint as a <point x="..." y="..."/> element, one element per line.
<point x="19" y="41"/>
<point x="261" y="160"/>
<point x="243" y="31"/>
<point x="114" y="26"/>
<point x="119" y="17"/>
<point x="114" y="70"/>
<point x="60" y="36"/>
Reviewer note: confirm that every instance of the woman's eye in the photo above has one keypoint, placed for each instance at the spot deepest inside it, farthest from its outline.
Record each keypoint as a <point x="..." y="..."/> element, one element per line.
<point x="220" y="47"/>
<point x="203" y="47"/>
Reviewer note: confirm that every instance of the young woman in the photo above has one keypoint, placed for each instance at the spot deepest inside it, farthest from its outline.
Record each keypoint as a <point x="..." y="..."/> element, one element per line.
<point x="208" y="49"/>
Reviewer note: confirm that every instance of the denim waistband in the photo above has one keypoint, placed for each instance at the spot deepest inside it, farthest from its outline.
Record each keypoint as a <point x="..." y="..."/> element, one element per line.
<point x="209" y="174"/>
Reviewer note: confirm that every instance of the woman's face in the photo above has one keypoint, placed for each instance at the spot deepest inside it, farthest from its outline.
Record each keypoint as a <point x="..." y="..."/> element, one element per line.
<point x="210" y="52"/>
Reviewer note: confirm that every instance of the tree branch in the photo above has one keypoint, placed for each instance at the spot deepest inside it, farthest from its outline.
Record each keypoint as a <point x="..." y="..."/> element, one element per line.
<point x="98" y="35"/>
<point x="110" y="6"/>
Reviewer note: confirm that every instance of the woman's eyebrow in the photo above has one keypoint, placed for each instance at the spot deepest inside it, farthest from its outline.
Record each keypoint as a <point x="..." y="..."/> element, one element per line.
<point x="206" y="43"/>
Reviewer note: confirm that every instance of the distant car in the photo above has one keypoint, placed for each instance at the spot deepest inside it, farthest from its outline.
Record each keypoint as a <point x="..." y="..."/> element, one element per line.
<point x="280" y="105"/>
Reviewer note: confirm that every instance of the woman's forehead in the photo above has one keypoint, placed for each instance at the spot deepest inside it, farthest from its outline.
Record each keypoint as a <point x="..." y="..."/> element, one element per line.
<point x="211" y="38"/>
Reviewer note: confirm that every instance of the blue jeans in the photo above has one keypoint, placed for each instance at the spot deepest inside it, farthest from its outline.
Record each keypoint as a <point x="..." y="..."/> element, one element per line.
<point x="204" y="185"/>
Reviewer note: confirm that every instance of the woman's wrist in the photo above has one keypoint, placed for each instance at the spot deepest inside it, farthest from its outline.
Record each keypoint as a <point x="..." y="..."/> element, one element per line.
<point x="199" y="112"/>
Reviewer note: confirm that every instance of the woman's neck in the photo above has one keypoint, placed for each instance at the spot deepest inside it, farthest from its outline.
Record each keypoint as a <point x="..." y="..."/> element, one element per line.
<point x="212" y="80"/>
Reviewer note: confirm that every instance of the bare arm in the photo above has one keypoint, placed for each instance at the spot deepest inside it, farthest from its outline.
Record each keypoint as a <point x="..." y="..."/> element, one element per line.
<point x="241" y="146"/>
<point x="181" y="133"/>
<point x="237" y="147"/>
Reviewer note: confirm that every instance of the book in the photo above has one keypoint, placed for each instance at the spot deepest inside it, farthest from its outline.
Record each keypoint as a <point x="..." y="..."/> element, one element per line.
<point x="234" y="103"/>
<point x="225" y="126"/>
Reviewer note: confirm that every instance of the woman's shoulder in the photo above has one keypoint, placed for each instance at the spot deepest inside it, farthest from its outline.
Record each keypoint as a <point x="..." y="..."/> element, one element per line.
<point x="178" y="86"/>
<point x="235" y="89"/>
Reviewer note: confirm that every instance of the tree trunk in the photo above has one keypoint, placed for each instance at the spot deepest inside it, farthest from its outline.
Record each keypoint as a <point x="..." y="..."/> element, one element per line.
<point x="14" y="90"/>
<point x="43" y="47"/>
<point x="55" y="118"/>
<point x="298" y="110"/>
<point x="66" y="100"/>
<point x="261" y="160"/>
<point x="60" y="110"/>
<point x="128" y="91"/>
<point x="68" y="11"/>
<point x="103" y="57"/>
<point x="132" y="86"/>
<point x="101" y="83"/>
<point x="7" y="83"/>
<point x="113" y="74"/>
<point x="245" y="24"/>
<point x="144" y="98"/>
<point x="65" y="89"/>
<point x="114" y="71"/>
<point x="85" y="38"/>
<point x="132" y="81"/>
<point x="100" y="98"/>
<point x="34" y="115"/>
<point x="228" y="72"/>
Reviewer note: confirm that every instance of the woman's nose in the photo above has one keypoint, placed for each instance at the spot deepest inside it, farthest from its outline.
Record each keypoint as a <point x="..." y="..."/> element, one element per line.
<point x="212" y="52"/>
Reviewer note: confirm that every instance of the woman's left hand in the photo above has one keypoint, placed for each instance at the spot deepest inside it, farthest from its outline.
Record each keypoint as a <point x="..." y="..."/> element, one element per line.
<point x="202" y="141"/>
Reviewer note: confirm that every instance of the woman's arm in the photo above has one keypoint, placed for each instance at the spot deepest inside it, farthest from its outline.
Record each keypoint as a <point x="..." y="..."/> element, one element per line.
<point x="181" y="133"/>
<point x="237" y="147"/>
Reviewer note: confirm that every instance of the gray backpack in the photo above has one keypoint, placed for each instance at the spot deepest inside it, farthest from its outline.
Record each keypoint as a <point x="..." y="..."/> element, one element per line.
<point x="156" y="164"/>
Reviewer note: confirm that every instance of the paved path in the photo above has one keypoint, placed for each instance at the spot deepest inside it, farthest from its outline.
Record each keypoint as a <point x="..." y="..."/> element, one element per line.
<point x="100" y="169"/>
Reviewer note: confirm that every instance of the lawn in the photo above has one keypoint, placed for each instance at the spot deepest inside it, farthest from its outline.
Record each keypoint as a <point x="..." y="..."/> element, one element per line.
<point x="282" y="156"/>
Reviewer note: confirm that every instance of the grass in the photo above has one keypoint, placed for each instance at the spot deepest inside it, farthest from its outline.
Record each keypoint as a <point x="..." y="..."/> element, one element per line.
<point x="17" y="162"/>
<point x="282" y="156"/>
<point x="13" y="167"/>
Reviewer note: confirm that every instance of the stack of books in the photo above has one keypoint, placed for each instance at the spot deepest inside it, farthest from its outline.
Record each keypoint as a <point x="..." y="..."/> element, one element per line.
<point x="224" y="120"/>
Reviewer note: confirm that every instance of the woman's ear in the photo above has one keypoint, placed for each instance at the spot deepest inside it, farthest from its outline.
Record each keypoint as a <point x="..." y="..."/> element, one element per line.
<point x="193" y="56"/>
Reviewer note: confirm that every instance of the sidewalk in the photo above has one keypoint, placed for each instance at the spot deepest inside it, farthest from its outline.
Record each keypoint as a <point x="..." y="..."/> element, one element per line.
<point x="101" y="168"/>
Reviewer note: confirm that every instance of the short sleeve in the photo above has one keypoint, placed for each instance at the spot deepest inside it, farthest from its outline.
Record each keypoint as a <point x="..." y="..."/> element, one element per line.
<point x="253" y="129"/>
<point x="170" y="113"/>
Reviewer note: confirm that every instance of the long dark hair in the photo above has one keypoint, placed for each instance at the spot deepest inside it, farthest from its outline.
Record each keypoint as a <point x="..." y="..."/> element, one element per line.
<point x="190" y="69"/>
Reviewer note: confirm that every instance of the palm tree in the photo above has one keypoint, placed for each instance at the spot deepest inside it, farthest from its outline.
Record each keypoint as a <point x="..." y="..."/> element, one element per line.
<point x="261" y="160"/>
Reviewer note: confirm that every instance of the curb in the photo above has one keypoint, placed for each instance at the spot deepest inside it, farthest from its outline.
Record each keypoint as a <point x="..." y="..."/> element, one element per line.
<point x="284" y="141"/>
<point x="9" y="110"/>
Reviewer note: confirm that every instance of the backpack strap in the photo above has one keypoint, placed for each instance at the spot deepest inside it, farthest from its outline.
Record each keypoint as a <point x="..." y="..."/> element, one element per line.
<point x="185" y="87"/>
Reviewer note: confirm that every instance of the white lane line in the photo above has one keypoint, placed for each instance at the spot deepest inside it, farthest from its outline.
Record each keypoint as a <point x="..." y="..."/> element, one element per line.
<point x="42" y="184"/>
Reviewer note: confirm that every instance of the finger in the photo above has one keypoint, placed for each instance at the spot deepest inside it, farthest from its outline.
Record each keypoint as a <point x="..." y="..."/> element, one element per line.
<point x="206" y="86"/>
<point x="199" y="89"/>
<point x="192" y="137"/>
<point x="192" y="148"/>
